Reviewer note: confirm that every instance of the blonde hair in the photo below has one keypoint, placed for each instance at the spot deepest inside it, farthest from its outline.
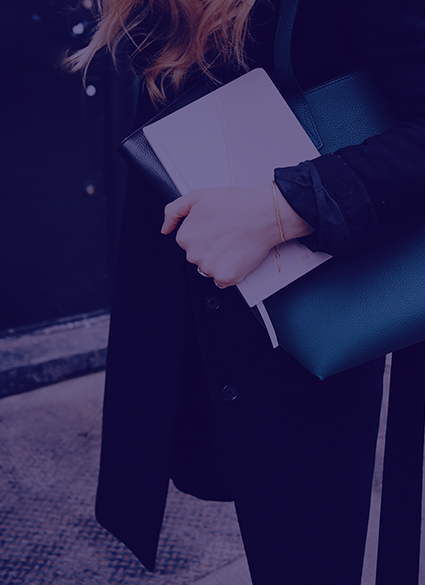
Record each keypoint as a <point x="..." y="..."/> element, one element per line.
<point x="171" y="37"/>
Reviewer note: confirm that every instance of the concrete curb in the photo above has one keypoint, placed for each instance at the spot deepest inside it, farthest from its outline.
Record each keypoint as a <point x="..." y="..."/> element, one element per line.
<point x="52" y="353"/>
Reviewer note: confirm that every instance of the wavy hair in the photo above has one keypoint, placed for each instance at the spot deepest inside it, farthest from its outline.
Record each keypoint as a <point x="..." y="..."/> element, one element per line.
<point x="169" y="38"/>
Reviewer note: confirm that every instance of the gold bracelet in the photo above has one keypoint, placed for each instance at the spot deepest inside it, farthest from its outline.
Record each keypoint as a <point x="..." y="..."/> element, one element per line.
<point x="279" y="223"/>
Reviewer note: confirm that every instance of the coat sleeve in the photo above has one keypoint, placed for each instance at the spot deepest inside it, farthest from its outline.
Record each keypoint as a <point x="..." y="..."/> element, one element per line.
<point x="376" y="187"/>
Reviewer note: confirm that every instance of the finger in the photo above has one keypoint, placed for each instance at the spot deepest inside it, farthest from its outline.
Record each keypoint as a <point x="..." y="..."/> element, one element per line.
<point x="218" y="285"/>
<point x="173" y="212"/>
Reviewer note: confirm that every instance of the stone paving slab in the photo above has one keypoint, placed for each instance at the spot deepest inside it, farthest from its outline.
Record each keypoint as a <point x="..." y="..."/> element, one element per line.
<point x="50" y="353"/>
<point x="236" y="573"/>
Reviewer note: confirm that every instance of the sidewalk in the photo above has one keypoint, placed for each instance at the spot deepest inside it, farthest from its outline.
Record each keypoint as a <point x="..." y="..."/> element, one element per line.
<point x="49" y="445"/>
<point x="49" y="353"/>
<point x="49" y="451"/>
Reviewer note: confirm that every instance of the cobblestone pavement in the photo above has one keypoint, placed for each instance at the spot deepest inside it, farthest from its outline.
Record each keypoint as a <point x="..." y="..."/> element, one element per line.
<point x="49" y="446"/>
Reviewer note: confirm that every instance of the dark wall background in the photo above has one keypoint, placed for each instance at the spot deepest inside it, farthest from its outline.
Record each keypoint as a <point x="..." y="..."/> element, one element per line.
<point x="61" y="180"/>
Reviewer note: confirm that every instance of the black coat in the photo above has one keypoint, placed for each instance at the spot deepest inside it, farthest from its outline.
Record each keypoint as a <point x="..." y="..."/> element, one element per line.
<point x="194" y="390"/>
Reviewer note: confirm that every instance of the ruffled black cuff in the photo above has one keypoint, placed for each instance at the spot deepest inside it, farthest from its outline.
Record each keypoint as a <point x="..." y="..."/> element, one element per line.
<point x="305" y="193"/>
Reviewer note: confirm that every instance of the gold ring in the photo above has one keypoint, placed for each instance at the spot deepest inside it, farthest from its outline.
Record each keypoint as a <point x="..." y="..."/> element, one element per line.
<point x="218" y="285"/>
<point x="202" y="273"/>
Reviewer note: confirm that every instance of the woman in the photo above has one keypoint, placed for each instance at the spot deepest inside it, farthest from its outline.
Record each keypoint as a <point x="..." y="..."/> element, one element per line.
<point x="194" y="390"/>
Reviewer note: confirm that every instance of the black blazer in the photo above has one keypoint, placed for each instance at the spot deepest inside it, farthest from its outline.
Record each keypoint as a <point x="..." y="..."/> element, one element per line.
<point x="194" y="390"/>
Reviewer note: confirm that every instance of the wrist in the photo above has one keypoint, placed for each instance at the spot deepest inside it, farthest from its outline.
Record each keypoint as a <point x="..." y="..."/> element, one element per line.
<point x="290" y="225"/>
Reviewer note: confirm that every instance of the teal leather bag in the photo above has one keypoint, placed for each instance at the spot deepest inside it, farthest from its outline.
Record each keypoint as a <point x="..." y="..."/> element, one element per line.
<point x="351" y="309"/>
<point x="358" y="307"/>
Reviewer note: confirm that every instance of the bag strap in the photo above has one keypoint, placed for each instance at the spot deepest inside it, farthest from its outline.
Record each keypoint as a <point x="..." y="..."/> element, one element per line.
<point x="401" y="504"/>
<point x="287" y="82"/>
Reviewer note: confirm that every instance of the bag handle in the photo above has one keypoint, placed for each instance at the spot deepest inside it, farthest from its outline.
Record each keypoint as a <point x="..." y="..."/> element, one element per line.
<point x="293" y="93"/>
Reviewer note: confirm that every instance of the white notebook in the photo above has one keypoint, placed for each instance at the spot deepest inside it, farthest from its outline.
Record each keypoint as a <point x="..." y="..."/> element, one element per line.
<point x="236" y="136"/>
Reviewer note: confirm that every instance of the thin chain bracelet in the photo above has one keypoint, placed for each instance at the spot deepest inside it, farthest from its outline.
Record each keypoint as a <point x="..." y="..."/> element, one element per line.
<point x="279" y="223"/>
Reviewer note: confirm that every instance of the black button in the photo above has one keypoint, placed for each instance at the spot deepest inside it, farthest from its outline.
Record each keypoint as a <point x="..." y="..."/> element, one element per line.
<point x="229" y="393"/>
<point x="212" y="303"/>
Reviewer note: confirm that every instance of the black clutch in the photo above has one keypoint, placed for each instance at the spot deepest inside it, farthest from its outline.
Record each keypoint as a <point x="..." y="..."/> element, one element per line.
<point x="136" y="150"/>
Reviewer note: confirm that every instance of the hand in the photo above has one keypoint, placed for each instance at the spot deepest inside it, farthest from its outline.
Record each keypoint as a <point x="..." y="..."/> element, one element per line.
<point x="228" y="231"/>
